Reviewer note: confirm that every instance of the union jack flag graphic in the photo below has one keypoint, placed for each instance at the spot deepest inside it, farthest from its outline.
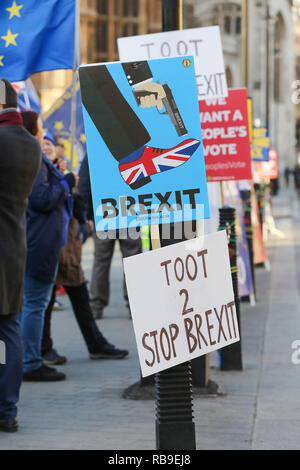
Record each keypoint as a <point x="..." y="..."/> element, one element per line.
<point x="156" y="160"/>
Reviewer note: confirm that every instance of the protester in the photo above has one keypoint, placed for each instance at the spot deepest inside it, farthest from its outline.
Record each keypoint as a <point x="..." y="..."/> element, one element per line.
<point x="61" y="150"/>
<point x="71" y="276"/>
<point x="20" y="158"/>
<point x="48" y="214"/>
<point x="60" y="143"/>
<point x="104" y="249"/>
<point x="53" y="150"/>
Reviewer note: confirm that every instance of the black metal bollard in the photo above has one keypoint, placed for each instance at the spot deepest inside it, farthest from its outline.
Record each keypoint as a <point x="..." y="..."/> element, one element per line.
<point x="231" y="356"/>
<point x="175" y="428"/>
<point x="260" y="190"/>
<point x="246" y="197"/>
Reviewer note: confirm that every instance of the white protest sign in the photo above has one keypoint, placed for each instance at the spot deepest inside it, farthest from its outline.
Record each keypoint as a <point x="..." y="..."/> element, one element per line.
<point x="203" y="43"/>
<point x="182" y="301"/>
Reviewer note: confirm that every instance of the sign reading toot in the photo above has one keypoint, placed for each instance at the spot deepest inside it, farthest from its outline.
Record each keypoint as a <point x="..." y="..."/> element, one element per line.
<point x="182" y="301"/>
<point x="203" y="43"/>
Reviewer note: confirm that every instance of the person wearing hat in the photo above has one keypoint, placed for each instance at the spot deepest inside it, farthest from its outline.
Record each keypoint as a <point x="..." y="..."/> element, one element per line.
<point x="49" y="201"/>
<point x="49" y="147"/>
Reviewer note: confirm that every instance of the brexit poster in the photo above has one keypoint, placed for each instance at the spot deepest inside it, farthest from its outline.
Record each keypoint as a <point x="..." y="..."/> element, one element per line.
<point x="204" y="44"/>
<point x="226" y="141"/>
<point x="144" y="143"/>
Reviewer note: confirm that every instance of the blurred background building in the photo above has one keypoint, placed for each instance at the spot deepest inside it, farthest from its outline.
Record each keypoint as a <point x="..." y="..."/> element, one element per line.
<point x="273" y="53"/>
<point x="270" y="64"/>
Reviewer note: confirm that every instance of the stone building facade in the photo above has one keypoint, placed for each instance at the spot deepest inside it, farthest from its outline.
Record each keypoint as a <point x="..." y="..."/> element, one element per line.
<point x="271" y="60"/>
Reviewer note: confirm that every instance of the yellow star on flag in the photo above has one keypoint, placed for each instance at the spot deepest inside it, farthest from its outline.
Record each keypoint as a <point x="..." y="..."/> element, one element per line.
<point x="1" y="63"/>
<point x="14" y="10"/>
<point x="59" y="125"/>
<point x="83" y="138"/>
<point x="10" y="38"/>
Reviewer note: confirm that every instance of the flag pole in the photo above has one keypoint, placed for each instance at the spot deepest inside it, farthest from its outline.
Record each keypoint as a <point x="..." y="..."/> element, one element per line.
<point x="75" y="66"/>
<point x="26" y="98"/>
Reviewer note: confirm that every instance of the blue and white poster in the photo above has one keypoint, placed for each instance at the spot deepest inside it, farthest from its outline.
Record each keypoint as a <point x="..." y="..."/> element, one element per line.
<point x="144" y="144"/>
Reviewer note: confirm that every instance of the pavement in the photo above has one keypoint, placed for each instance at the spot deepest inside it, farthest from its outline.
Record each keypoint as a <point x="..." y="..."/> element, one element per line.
<point x="261" y="407"/>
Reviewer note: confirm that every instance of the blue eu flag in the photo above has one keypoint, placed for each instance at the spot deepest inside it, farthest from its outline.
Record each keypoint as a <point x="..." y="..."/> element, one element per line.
<point x="36" y="35"/>
<point x="58" y="121"/>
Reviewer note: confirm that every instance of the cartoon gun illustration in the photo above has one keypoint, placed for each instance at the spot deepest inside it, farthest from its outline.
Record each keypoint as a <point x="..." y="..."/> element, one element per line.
<point x="170" y="106"/>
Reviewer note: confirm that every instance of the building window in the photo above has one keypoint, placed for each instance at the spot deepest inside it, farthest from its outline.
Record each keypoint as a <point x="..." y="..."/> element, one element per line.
<point x="131" y="8"/>
<point x="90" y="41"/>
<point x="238" y="25"/>
<point x="228" y="17"/>
<point x="102" y="6"/>
<point x="101" y="41"/>
<point x="135" y="8"/>
<point x="229" y="78"/>
<point x="135" y="29"/>
<point x="125" y="7"/>
<point x="227" y="25"/>
<point x="121" y="18"/>
<point x="125" y="30"/>
<point x="117" y="7"/>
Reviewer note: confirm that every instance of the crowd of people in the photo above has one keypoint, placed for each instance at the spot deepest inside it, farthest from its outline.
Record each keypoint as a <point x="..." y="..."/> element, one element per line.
<point x="45" y="214"/>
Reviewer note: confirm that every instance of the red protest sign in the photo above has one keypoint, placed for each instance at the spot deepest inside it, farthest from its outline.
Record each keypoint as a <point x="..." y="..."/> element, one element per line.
<point x="225" y="132"/>
<point x="268" y="170"/>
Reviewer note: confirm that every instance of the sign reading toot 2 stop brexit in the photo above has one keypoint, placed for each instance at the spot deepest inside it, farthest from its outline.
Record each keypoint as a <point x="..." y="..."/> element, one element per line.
<point x="182" y="302"/>
<point x="225" y="132"/>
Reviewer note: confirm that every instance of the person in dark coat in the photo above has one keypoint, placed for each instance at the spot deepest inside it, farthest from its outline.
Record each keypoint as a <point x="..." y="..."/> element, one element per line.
<point x="20" y="158"/>
<point x="104" y="249"/>
<point x="71" y="276"/>
<point x="46" y="234"/>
